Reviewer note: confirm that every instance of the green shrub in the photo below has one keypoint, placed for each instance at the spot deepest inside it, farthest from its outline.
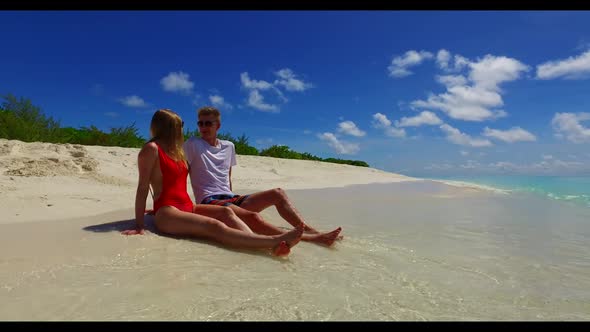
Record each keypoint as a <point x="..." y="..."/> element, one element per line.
<point x="21" y="120"/>
<point x="281" y="151"/>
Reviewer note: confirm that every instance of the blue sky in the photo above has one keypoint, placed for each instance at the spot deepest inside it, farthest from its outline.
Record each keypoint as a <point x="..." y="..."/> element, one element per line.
<point x="421" y="93"/>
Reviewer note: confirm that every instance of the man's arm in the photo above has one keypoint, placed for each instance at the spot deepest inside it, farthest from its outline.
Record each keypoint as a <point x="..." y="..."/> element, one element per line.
<point x="233" y="162"/>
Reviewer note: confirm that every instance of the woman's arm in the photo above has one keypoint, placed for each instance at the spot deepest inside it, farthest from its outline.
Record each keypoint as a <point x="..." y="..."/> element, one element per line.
<point x="145" y="163"/>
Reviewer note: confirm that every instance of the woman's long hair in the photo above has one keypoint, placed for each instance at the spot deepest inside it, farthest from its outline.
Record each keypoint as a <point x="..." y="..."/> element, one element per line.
<point x="166" y="127"/>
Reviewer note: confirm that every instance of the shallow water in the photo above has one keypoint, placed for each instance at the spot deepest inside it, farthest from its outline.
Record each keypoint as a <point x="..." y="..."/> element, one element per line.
<point x="573" y="189"/>
<point x="412" y="251"/>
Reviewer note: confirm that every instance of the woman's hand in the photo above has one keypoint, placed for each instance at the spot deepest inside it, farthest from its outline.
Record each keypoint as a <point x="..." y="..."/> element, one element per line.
<point x="135" y="231"/>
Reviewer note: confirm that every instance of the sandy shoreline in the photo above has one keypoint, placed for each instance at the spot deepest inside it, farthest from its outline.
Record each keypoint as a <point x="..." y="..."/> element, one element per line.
<point x="44" y="181"/>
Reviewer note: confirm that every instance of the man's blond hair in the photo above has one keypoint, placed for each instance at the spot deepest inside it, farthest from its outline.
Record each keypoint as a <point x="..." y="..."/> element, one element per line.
<point x="209" y="110"/>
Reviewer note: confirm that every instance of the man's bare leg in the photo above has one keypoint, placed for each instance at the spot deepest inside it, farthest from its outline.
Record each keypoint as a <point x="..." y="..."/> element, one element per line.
<point x="260" y="226"/>
<point x="225" y="215"/>
<point x="261" y="200"/>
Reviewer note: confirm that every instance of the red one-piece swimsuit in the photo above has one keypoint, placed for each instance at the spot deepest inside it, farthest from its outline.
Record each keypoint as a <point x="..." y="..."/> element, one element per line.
<point x="174" y="192"/>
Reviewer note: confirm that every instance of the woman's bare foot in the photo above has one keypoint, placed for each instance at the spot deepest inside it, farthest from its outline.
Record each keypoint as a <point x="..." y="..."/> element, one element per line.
<point x="282" y="249"/>
<point x="289" y="240"/>
<point x="324" y="238"/>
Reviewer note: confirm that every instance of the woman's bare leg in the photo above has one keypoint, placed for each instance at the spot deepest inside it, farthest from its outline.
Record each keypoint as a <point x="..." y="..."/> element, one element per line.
<point x="175" y="222"/>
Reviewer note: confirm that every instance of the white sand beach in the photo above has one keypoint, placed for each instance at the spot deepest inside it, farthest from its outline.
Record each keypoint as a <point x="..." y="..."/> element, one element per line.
<point x="44" y="181"/>
<point x="413" y="249"/>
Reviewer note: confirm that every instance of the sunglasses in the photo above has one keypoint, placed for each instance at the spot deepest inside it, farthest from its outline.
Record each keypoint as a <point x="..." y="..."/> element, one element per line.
<point x="205" y="123"/>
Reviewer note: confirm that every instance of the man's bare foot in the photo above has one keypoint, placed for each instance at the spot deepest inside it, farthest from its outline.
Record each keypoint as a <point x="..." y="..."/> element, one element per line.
<point x="310" y="230"/>
<point x="326" y="239"/>
<point x="289" y="240"/>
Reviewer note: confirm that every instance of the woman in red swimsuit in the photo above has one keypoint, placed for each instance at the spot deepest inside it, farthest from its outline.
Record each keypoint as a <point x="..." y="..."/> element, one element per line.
<point x="162" y="164"/>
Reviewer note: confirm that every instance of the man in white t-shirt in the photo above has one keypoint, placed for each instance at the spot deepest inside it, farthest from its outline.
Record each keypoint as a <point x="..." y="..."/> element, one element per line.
<point x="211" y="161"/>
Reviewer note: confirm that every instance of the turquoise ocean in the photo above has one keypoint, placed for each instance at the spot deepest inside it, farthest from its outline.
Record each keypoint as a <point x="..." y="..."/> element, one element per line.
<point x="572" y="189"/>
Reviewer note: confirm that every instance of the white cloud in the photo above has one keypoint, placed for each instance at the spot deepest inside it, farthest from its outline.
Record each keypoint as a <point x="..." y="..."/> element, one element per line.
<point x="568" y="125"/>
<point x="350" y="128"/>
<point x="465" y="103"/>
<point x="451" y="80"/>
<point x="400" y="64"/>
<point x="253" y="84"/>
<point x="133" y="101"/>
<point x="442" y="59"/>
<point x="547" y="156"/>
<point x="285" y="73"/>
<point x="307" y="132"/>
<point x="256" y="100"/>
<point x="570" y="68"/>
<point x="464" y="153"/>
<point x="341" y="147"/>
<point x="112" y="114"/>
<point x="219" y="102"/>
<point x="288" y="80"/>
<point x="460" y="62"/>
<point x="381" y="121"/>
<point x="177" y="82"/>
<point x="490" y="71"/>
<point x="457" y="137"/>
<point x="260" y="85"/>
<point x="478" y="97"/>
<point x="395" y="132"/>
<point x="514" y="134"/>
<point x="424" y="118"/>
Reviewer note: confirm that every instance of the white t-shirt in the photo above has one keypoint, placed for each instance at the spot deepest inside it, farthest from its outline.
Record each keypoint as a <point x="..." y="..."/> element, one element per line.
<point x="209" y="166"/>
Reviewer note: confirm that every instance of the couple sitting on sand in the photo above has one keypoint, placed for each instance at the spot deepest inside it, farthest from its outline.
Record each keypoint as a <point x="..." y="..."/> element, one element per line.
<point x="233" y="220"/>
